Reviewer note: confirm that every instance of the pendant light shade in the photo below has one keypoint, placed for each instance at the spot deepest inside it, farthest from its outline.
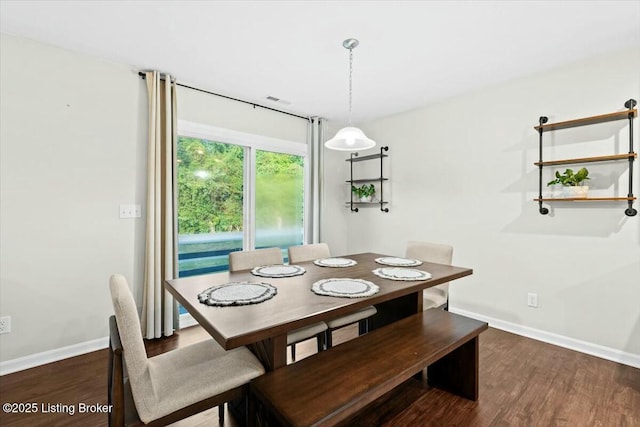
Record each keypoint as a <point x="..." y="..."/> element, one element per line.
<point x="350" y="138"/>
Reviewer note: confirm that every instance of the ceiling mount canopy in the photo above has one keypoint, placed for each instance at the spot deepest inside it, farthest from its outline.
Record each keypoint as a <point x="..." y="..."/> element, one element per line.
<point x="350" y="138"/>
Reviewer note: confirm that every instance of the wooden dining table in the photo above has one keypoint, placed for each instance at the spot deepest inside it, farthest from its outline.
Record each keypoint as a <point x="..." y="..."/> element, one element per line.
<point x="263" y="327"/>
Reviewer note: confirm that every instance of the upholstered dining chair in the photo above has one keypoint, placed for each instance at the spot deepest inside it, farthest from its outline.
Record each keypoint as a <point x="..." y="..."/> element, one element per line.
<point x="436" y="296"/>
<point x="311" y="252"/>
<point x="244" y="260"/>
<point x="175" y="384"/>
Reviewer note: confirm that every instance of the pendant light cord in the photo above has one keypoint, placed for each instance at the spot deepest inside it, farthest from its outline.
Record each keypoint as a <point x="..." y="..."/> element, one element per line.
<point x="350" y="138"/>
<point x="350" y="78"/>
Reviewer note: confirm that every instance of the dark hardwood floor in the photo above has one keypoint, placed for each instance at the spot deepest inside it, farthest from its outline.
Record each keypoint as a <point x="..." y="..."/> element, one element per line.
<point x="522" y="383"/>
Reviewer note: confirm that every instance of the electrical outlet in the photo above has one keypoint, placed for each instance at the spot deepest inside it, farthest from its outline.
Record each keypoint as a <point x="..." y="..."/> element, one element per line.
<point x="5" y="324"/>
<point x="532" y="300"/>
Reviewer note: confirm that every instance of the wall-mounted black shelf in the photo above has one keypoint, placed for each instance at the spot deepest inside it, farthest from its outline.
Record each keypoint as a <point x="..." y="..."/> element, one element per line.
<point x="587" y="159"/>
<point x="354" y="158"/>
<point x="602" y="118"/>
<point x="629" y="114"/>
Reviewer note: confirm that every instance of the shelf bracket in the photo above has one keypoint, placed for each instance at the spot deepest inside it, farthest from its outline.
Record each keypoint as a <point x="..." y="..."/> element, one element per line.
<point x="382" y="208"/>
<point x="541" y="209"/>
<point x="351" y="181"/>
<point x="630" y="211"/>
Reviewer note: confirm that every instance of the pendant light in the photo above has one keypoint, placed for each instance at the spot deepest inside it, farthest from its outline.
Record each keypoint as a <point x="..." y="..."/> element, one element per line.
<point x="350" y="138"/>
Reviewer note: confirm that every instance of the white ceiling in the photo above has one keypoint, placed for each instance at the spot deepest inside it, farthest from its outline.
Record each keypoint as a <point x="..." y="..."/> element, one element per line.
<point x="411" y="53"/>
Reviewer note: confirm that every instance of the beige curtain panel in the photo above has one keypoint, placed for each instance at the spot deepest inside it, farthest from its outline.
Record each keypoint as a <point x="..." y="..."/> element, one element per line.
<point x="316" y="130"/>
<point x="158" y="307"/>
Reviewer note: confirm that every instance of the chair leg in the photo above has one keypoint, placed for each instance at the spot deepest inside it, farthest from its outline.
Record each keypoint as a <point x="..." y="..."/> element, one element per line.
<point x="328" y="340"/>
<point x="293" y="352"/>
<point x="363" y="326"/>
<point x="321" y="341"/>
<point x="446" y="305"/>
<point x="251" y="410"/>
<point x="110" y="376"/>
<point x="221" y="414"/>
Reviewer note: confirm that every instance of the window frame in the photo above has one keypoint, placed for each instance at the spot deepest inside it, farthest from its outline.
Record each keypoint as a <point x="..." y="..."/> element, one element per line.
<point x="250" y="143"/>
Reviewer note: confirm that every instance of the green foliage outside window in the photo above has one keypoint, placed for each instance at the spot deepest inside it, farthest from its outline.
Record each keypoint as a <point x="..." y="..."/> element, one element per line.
<point x="210" y="187"/>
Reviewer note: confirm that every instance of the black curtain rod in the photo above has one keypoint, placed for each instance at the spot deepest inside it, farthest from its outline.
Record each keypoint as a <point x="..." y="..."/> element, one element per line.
<point x="143" y="75"/>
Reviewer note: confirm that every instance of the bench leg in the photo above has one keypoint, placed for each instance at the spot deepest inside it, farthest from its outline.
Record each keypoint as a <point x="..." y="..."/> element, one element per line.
<point x="457" y="372"/>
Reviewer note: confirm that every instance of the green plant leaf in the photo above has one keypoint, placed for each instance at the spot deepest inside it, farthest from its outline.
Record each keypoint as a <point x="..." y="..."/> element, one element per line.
<point x="582" y="174"/>
<point x="364" y="191"/>
<point x="569" y="178"/>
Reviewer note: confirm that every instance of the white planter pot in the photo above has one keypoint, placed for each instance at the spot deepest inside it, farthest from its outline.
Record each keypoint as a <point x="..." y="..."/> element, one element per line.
<point x="365" y="199"/>
<point x="577" y="192"/>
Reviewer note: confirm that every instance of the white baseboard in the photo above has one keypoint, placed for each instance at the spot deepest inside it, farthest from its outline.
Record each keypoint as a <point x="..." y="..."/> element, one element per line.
<point x="603" y="352"/>
<point x="630" y="359"/>
<point x="33" y="360"/>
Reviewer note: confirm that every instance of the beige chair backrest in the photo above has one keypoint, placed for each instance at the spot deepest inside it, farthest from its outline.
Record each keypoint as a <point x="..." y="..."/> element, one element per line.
<point x="244" y="260"/>
<point x="135" y="355"/>
<point x="431" y="252"/>
<point x="308" y="252"/>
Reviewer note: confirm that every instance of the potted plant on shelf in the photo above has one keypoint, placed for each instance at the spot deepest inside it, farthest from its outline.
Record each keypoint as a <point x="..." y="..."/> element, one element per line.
<point x="365" y="192"/>
<point x="572" y="183"/>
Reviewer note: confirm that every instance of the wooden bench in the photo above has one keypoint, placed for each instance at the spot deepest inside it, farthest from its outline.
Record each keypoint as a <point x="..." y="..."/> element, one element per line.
<point x="330" y="387"/>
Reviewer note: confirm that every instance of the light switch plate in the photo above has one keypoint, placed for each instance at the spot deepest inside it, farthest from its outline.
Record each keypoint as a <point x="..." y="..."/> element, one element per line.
<point x="5" y="324"/>
<point x="130" y="211"/>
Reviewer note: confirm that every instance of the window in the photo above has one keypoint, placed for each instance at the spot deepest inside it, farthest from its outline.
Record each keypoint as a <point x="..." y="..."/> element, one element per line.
<point x="210" y="204"/>
<point x="236" y="191"/>
<point x="279" y="207"/>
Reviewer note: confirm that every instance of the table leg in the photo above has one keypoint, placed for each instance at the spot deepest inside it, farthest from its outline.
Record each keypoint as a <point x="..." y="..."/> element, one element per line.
<point x="457" y="372"/>
<point x="271" y="352"/>
<point x="396" y="309"/>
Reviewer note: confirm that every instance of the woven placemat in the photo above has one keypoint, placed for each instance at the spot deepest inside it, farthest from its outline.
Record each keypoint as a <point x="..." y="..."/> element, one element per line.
<point x="398" y="262"/>
<point x="335" y="262"/>
<point x="398" y="273"/>
<point x="345" y="288"/>
<point x="237" y="293"/>
<point x="278" y="270"/>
